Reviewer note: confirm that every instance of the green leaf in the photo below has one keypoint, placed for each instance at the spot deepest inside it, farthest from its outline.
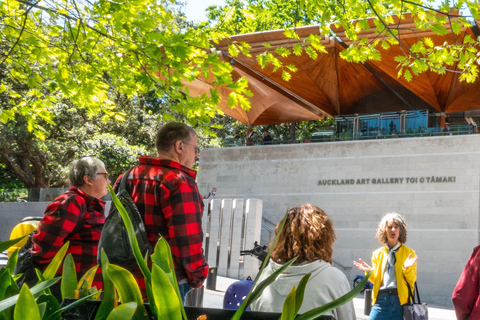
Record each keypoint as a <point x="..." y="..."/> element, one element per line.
<point x="162" y="257"/>
<point x="108" y="300"/>
<point x="286" y="76"/>
<point x="123" y="311"/>
<point x="5" y="281"/>
<point x="312" y="53"/>
<point x="456" y="27"/>
<point x="4" y="245"/>
<point x="76" y="303"/>
<point x="407" y="75"/>
<point x="12" y="261"/>
<point x="428" y="42"/>
<point x="8" y="302"/>
<point x="127" y="287"/>
<point x="315" y="313"/>
<point x="300" y="293"/>
<point x="297" y="49"/>
<point x="26" y="307"/>
<point x="53" y="266"/>
<point x="131" y="235"/>
<point x="290" y="33"/>
<point x="294" y="300"/>
<point x="51" y="306"/>
<point x="86" y="280"/>
<point x="69" y="278"/>
<point x="258" y="289"/>
<point x="288" y="311"/>
<point x="468" y="40"/>
<point x="169" y="304"/>
<point x="439" y="29"/>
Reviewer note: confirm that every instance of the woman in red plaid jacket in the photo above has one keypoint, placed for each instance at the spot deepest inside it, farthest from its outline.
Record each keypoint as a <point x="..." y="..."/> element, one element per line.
<point x="76" y="216"/>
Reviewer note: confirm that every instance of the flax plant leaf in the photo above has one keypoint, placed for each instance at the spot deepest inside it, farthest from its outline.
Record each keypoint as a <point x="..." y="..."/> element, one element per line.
<point x="4" y="245"/>
<point x="108" y="301"/>
<point x="123" y="311"/>
<point x="8" y="302"/>
<point x="131" y="235"/>
<point x="127" y="287"/>
<point x="69" y="278"/>
<point x="165" y="296"/>
<point x="53" y="266"/>
<point x="26" y="307"/>
<point x="315" y="313"/>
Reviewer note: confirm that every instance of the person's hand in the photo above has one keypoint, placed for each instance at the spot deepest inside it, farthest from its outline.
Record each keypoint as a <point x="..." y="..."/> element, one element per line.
<point x="362" y="265"/>
<point x="409" y="261"/>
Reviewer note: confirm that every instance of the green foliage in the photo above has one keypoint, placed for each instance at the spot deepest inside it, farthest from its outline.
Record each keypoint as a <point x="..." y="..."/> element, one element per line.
<point x="79" y="53"/>
<point x="238" y="17"/>
<point x="26" y="307"/>
<point x="69" y="278"/>
<point x="316" y="312"/>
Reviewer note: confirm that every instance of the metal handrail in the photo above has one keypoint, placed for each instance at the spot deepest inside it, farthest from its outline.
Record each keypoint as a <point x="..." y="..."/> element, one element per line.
<point x="341" y="265"/>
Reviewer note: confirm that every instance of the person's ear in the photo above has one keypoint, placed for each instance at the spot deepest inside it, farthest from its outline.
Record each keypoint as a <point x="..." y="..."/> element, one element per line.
<point x="87" y="180"/>
<point x="179" y="146"/>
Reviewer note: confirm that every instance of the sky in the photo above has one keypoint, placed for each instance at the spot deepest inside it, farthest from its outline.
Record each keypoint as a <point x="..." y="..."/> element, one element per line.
<point x="195" y="9"/>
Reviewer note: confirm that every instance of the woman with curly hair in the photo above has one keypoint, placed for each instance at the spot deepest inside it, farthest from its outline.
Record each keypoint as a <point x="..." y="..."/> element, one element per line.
<point x="393" y="266"/>
<point x="308" y="235"/>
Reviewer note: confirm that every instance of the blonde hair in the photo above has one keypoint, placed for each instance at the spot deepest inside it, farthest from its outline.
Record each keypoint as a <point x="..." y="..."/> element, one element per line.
<point x="307" y="234"/>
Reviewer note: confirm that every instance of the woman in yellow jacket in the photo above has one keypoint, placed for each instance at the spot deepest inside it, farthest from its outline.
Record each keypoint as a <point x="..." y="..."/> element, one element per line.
<point x="393" y="265"/>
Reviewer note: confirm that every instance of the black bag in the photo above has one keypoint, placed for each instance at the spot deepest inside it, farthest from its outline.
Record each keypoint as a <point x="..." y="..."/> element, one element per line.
<point x="414" y="310"/>
<point x="114" y="237"/>
<point x="26" y="264"/>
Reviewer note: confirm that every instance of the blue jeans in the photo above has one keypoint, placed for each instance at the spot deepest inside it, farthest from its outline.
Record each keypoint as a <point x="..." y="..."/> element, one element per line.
<point x="184" y="288"/>
<point x="386" y="307"/>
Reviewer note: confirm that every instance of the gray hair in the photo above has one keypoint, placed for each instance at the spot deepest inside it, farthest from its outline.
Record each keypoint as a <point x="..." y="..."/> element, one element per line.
<point x="171" y="133"/>
<point x="382" y="227"/>
<point x="86" y="166"/>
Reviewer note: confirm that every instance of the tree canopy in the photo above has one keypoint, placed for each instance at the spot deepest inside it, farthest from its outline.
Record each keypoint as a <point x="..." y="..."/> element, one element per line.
<point x="81" y="75"/>
<point x="353" y="16"/>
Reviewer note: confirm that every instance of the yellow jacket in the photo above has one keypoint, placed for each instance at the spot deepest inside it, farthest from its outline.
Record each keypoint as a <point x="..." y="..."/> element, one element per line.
<point x="379" y="261"/>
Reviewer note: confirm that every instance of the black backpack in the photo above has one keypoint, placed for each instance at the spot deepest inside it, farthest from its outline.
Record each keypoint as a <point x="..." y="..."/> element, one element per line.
<point x="114" y="238"/>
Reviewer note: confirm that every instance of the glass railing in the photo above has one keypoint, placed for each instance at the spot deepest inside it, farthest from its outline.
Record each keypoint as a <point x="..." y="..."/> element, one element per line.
<point x="370" y="134"/>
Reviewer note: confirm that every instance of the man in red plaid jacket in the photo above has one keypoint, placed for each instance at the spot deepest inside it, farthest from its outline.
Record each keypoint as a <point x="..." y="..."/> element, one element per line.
<point x="166" y="194"/>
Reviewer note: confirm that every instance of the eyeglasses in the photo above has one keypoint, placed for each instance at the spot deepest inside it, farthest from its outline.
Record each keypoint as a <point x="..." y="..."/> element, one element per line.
<point x="197" y="149"/>
<point x="103" y="174"/>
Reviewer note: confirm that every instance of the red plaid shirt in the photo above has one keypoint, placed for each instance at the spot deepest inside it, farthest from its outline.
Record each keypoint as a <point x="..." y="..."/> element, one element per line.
<point x="76" y="217"/>
<point x="167" y="197"/>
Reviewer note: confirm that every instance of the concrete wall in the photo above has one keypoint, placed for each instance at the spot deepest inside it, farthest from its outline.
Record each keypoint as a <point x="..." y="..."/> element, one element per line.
<point x="11" y="213"/>
<point x="378" y="176"/>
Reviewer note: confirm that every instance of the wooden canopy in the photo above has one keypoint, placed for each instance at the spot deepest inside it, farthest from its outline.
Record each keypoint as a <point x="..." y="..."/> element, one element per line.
<point x="329" y="85"/>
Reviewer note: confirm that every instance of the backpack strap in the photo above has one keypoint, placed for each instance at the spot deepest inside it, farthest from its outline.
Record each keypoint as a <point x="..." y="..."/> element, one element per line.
<point x="123" y="181"/>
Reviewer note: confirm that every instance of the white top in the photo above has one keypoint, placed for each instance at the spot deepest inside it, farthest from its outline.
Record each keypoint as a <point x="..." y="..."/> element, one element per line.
<point x="326" y="284"/>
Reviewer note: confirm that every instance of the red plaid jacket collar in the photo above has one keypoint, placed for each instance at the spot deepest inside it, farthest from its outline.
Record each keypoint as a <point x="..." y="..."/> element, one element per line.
<point x="89" y="200"/>
<point x="168" y="163"/>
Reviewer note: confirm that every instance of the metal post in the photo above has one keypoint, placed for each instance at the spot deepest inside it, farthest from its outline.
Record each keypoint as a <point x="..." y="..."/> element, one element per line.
<point x="367" y="296"/>
<point x="194" y="298"/>
<point x="212" y="279"/>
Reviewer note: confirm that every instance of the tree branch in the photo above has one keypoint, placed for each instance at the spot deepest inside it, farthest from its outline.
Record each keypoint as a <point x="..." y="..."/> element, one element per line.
<point x="403" y="45"/>
<point x="21" y="32"/>
<point x="65" y="16"/>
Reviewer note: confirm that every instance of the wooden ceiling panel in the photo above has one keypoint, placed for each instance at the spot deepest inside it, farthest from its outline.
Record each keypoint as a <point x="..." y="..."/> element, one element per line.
<point x="330" y="85"/>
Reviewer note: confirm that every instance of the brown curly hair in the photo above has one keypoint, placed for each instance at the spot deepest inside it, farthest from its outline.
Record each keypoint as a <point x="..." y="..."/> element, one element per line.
<point x="381" y="234"/>
<point x="307" y="234"/>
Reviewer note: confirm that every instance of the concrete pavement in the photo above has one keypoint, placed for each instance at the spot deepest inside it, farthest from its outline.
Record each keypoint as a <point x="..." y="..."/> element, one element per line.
<point x="214" y="299"/>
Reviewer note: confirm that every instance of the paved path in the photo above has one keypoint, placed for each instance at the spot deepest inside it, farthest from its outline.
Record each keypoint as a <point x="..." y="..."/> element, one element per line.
<point x="214" y="299"/>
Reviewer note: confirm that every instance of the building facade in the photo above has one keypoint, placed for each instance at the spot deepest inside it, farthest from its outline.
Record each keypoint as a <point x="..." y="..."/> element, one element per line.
<point x="434" y="182"/>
